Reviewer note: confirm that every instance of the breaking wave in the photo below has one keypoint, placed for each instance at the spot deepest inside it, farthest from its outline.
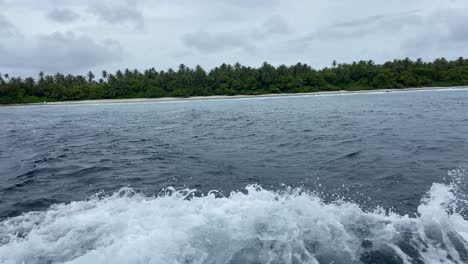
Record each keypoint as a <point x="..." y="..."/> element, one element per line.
<point x="252" y="226"/>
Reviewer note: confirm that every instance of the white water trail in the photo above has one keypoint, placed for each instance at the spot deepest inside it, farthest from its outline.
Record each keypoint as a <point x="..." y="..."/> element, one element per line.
<point x="258" y="227"/>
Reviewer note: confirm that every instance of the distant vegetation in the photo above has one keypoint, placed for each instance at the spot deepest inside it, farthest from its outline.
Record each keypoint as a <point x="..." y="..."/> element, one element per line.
<point x="233" y="80"/>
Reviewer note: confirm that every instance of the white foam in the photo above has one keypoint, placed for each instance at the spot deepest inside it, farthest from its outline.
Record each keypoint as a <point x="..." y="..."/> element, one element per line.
<point x="259" y="227"/>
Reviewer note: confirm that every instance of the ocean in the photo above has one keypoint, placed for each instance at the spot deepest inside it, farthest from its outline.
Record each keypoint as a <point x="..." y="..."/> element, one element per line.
<point x="353" y="178"/>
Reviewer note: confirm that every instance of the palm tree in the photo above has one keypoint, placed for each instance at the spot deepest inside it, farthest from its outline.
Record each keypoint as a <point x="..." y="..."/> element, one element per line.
<point x="104" y="75"/>
<point x="90" y="76"/>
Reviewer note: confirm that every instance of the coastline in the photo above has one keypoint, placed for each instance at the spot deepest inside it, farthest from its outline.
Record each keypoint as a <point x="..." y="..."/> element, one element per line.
<point x="226" y="97"/>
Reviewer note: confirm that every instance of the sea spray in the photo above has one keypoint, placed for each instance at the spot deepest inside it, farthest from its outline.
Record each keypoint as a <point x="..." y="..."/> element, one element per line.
<point x="250" y="226"/>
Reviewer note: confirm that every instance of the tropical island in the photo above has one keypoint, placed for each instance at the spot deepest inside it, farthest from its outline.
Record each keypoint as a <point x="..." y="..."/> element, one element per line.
<point x="234" y="80"/>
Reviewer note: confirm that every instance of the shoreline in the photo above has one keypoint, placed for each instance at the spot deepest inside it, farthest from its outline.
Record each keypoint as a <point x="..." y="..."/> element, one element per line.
<point x="227" y="97"/>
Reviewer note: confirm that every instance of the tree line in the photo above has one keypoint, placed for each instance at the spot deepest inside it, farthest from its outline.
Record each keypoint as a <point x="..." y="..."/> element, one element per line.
<point x="233" y="80"/>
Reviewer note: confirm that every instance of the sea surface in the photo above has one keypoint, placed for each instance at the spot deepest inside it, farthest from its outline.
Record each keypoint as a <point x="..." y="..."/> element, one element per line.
<point x="354" y="178"/>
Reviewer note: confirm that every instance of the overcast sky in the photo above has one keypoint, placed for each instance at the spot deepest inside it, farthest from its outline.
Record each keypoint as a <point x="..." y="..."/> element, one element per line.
<point x="74" y="36"/>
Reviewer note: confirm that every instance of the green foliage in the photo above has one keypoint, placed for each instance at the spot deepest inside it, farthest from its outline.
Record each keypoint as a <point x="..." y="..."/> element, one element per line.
<point x="384" y="79"/>
<point x="457" y="76"/>
<point x="233" y="80"/>
<point x="155" y="92"/>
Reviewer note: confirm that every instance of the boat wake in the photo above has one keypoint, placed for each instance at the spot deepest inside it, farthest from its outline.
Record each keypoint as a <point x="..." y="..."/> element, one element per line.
<point x="252" y="226"/>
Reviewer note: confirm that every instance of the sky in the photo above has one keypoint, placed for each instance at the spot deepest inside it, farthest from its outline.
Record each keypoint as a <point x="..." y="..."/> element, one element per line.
<point x="75" y="36"/>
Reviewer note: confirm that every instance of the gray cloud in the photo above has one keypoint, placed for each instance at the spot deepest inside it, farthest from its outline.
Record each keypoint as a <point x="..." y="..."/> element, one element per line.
<point x="211" y="32"/>
<point x="446" y="25"/>
<point x="443" y="30"/>
<point x="458" y="29"/>
<point x="210" y="42"/>
<point x="59" y="52"/>
<point x="382" y="21"/>
<point x="272" y="27"/>
<point x="372" y="25"/>
<point x="218" y="41"/>
<point x="6" y="27"/>
<point x="119" y="12"/>
<point x="458" y="32"/>
<point x="360" y="22"/>
<point x="253" y="3"/>
<point x="63" y="15"/>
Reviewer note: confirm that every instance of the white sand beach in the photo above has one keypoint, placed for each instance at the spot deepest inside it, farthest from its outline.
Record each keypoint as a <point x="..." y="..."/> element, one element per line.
<point x="226" y="97"/>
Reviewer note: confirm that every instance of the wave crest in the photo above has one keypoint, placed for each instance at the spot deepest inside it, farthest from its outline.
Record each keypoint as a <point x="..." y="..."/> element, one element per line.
<point x="253" y="226"/>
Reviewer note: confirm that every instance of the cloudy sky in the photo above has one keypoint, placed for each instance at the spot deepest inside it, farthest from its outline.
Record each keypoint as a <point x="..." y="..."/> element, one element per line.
<point x="74" y="36"/>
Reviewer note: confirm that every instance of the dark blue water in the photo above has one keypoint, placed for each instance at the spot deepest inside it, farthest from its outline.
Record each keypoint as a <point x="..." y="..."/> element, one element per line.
<point x="376" y="150"/>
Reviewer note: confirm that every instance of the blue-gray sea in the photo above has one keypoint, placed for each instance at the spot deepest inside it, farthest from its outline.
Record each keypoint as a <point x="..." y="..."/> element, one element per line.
<point x="376" y="177"/>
